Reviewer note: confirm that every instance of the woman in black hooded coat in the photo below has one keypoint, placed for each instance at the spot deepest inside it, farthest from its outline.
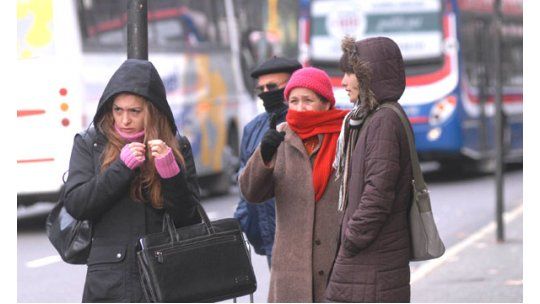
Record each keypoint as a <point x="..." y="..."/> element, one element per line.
<point x="135" y="168"/>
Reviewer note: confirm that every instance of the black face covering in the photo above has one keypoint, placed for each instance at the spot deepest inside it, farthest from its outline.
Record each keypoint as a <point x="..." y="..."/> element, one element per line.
<point x="273" y="101"/>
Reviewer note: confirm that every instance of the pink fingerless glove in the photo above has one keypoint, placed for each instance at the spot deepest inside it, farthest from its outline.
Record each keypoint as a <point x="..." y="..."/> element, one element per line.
<point x="129" y="159"/>
<point x="166" y="165"/>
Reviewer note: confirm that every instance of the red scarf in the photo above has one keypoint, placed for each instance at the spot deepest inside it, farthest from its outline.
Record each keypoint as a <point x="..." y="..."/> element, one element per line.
<point x="310" y="123"/>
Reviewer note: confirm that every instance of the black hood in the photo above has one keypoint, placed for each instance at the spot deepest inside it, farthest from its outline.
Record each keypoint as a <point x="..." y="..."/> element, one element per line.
<point x="137" y="77"/>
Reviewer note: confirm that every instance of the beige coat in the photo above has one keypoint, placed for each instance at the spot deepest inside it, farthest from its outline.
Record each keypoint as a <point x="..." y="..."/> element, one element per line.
<point x="307" y="233"/>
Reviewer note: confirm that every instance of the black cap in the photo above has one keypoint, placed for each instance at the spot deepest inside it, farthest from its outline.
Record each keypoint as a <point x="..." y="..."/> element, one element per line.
<point x="276" y="65"/>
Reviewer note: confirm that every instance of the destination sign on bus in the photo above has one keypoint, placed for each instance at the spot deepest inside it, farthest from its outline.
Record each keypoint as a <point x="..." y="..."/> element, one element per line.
<point x="415" y="25"/>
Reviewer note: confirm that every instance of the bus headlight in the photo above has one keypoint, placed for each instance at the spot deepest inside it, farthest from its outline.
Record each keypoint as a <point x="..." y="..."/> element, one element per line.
<point x="434" y="134"/>
<point x="442" y="110"/>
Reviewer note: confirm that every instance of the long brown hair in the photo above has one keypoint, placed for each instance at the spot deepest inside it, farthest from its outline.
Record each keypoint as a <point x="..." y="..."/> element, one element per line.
<point x="147" y="184"/>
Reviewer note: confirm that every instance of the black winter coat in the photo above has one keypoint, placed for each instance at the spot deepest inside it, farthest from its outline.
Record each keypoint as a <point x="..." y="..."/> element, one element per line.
<point x="103" y="197"/>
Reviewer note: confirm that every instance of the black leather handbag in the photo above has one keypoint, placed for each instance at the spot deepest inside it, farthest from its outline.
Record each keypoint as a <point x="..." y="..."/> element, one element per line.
<point x="205" y="262"/>
<point x="70" y="237"/>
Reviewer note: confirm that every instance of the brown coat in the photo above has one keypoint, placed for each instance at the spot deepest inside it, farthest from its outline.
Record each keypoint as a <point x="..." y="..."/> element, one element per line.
<point x="373" y="260"/>
<point x="306" y="232"/>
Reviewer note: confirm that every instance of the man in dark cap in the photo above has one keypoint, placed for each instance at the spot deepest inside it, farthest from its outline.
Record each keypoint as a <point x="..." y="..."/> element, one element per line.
<point x="259" y="221"/>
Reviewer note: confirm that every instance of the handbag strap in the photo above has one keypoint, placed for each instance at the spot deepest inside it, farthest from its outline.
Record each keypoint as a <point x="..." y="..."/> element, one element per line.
<point x="206" y="220"/>
<point x="168" y="225"/>
<point x="418" y="178"/>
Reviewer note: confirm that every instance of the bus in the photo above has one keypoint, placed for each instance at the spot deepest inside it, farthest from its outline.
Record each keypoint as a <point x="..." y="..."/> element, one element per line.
<point x="48" y="94"/>
<point x="204" y="51"/>
<point x="447" y="48"/>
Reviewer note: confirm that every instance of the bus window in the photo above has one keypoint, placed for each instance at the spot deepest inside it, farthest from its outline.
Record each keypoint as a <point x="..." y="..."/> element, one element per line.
<point x="102" y="24"/>
<point x="266" y="28"/>
<point x="274" y="21"/>
<point x="172" y="25"/>
<point x="477" y="49"/>
<point x="512" y="54"/>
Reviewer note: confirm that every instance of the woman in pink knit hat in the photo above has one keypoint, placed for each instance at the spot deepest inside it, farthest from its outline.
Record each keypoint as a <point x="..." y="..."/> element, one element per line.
<point x="294" y="164"/>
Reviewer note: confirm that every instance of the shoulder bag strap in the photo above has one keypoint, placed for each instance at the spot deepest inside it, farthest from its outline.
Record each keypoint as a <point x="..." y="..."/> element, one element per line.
<point x="362" y="127"/>
<point x="419" y="182"/>
<point x="90" y="137"/>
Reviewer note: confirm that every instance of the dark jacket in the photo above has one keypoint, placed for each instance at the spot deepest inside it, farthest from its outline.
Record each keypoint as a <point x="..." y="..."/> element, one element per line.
<point x="373" y="260"/>
<point x="103" y="197"/>
<point x="258" y="221"/>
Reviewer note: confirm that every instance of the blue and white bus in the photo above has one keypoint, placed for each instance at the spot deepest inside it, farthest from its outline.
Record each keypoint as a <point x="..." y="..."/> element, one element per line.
<point x="447" y="47"/>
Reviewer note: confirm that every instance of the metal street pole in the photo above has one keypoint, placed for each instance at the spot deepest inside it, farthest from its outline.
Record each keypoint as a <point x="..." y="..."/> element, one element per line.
<point x="137" y="29"/>
<point x="498" y="121"/>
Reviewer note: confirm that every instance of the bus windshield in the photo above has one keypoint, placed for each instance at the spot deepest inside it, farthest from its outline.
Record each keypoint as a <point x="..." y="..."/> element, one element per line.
<point x="415" y="25"/>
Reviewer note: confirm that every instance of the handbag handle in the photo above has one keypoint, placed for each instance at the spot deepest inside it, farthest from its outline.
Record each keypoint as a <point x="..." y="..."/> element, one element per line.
<point x="206" y="220"/>
<point x="169" y="226"/>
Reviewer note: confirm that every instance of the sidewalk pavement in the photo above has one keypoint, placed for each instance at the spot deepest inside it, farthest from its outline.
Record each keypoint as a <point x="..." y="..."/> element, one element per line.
<point x="478" y="269"/>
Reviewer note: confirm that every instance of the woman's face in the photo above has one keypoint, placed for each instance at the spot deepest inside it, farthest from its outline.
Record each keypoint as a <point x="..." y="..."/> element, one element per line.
<point x="351" y="85"/>
<point x="302" y="99"/>
<point x="129" y="112"/>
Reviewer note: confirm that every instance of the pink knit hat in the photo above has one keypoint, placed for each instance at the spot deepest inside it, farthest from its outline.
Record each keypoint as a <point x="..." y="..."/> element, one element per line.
<point x="314" y="79"/>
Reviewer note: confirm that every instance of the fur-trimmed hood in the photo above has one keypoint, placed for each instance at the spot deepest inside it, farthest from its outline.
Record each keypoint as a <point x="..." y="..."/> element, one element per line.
<point x="378" y="65"/>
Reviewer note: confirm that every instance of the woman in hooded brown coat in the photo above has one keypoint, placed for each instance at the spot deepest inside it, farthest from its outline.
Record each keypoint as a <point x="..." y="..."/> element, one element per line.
<point x="372" y="264"/>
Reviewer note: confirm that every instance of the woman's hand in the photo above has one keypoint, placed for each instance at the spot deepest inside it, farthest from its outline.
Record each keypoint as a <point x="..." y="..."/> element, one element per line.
<point x="158" y="148"/>
<point x="165" y="161"/>
<point x="271" y="140"/>
<point x="133" y="154"/>
<point x="138" y="150"/>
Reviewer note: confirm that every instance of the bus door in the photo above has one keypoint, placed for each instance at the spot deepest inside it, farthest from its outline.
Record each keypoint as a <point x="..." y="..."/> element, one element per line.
<point x="476" y="50"/>
<point x="477" y="85"/>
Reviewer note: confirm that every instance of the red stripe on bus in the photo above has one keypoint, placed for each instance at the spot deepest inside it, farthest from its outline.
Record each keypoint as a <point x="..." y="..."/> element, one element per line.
<point x="336" y="81"/>
<point x="432" y="77"/>
<point x="36" y="160"/>
<point x="486" y="6"/>
<point x="510" y="98"/>
<point x="415" y="80"/>
<point x="446" y="26"/>
<point x="120" y="21"/>
<point x="21" y="113"/>
<point x="418" y="119"/>
<point x="439" y="74"/>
